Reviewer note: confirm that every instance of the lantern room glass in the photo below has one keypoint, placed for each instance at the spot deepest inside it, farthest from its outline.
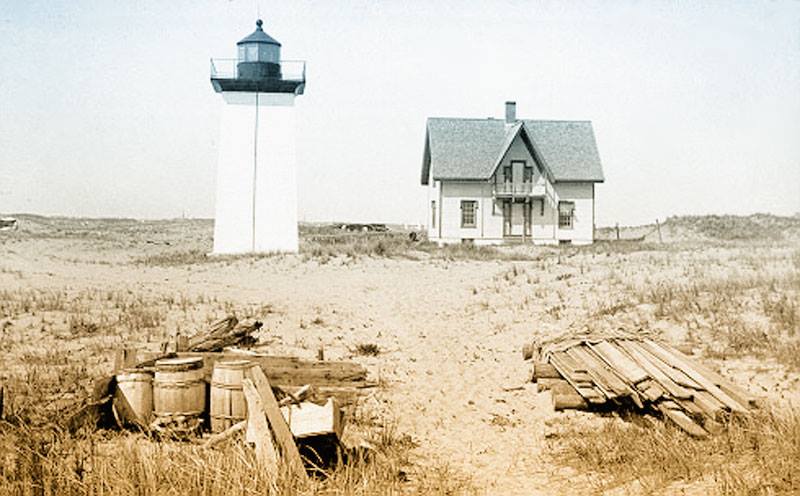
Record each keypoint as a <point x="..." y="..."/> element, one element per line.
<point x="259" y="52"/>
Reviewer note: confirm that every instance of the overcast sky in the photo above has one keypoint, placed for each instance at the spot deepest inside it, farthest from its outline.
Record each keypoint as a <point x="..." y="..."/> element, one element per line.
<point x="106" y="108"/>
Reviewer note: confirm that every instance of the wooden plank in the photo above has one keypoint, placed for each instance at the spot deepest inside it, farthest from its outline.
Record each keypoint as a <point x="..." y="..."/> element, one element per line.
<point x="706" y="383"/>
<point x="560" y="386"/>
<point x="738" y="394"/>
<point x="619" y="361"/>
<point x="124" y="358"/>
<point x="182" y="343"/>
<point x="344" y="395"/>
<point x="650" y="389"/>
<point x="675" y="390"/>
<point x="691" y="408"/>
<point x="258" y="429"/>
<point x="592" y="395"/>
<point x="603" y="375"/>
<point x="673" y="412"/>
<point x="547" y="384"/>
<point x="564" y="396"/>
<point x="569" y="401"/>
<point x="344" y="381"/>
<point x="675" y="374"/>
<point x="292" y="371"/>
<point x="286" y="370"/>
<point x="560" y="361"/>
<point x="711" y="407"/>
<point x="575" y="367"/>
<point x="724" y="384"/>
<point x="595" y="378"/>
<point x="544" y="370"/>
<point x="276" y="421"/>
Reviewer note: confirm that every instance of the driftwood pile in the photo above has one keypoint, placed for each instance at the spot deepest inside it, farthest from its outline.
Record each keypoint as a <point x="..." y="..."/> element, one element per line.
<point x="618" y="370"/>
<point x="226" y="340"/>
<point x="226" y="333"/>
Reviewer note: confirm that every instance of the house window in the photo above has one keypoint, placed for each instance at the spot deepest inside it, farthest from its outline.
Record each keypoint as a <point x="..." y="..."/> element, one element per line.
<point x="468" y="210"/>
<point x="566" y="214"/>
<point x="507" y="175"/>
<point x="527" y="174"/>
<point x="433" y="214"/>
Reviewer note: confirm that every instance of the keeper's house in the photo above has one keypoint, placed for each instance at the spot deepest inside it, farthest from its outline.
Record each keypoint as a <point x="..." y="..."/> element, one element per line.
<point x="493" y="181"/>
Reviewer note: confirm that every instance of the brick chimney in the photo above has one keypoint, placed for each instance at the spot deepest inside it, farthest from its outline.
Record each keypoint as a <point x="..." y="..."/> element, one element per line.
<point x="511" y="112"/>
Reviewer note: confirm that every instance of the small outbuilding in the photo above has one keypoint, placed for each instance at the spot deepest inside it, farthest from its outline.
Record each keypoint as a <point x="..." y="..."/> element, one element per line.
<point x="493" y="181"/>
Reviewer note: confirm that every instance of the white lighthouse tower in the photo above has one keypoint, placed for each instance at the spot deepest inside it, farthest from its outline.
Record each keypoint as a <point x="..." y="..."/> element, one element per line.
<point x="256" y="204"/>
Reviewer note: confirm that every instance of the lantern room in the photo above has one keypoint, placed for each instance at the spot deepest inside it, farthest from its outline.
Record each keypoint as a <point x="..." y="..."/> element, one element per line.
<point x="259" y="55"/>
<point x="258" y="67"/>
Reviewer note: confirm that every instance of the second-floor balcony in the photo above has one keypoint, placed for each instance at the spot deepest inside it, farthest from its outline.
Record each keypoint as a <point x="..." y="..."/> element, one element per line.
<point x="518" y="189"/>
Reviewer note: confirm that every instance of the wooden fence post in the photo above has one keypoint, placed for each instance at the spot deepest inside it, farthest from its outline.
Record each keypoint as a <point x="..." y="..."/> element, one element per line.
<point x="658" y="226"/>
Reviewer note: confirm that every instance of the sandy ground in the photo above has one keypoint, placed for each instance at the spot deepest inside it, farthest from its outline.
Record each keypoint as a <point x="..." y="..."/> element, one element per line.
<point x="450" y="332"/>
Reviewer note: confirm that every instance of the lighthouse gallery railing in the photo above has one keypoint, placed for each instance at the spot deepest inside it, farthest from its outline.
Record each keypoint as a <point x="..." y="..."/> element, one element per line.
<point x="291" y="70"/>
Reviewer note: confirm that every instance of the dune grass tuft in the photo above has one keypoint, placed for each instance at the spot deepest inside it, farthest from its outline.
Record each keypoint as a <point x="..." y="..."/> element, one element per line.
<point x="758" y="454"/>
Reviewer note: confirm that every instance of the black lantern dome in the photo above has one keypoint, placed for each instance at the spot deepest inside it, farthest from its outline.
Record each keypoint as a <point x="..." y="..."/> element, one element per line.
<point x="259" y="55"/>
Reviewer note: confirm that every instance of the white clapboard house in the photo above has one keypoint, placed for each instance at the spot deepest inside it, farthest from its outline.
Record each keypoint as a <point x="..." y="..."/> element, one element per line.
<point x="493" y="181"/>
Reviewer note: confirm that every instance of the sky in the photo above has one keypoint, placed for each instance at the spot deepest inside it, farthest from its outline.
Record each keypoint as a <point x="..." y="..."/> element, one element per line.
<point x="107" y="109"/>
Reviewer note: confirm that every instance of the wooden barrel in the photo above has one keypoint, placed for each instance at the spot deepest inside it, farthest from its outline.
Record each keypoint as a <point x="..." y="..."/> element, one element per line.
<point x="228" y="405"/>
<point x="179" y="389"/>
<point x="133" y="399"/>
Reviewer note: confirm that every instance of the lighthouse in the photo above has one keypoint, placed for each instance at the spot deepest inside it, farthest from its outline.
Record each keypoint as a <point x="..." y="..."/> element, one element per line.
<point x="256" y="203"/>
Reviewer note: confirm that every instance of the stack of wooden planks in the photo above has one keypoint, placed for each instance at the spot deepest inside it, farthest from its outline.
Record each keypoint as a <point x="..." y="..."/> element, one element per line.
<point x="620" y="370"/>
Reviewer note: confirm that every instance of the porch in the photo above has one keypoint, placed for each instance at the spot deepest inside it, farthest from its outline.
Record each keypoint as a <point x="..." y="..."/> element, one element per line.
<point x="518" y="216"/>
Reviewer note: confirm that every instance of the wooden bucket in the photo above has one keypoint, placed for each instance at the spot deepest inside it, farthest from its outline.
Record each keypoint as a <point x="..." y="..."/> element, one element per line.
<point x="133" y="399"/>
<point x="179" y="389"/>
<point x="228" y="405"/>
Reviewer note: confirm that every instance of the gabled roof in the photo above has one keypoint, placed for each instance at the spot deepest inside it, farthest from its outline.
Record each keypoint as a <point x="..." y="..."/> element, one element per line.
<point x="470" y="149"/>
<point x="519" y="129"/>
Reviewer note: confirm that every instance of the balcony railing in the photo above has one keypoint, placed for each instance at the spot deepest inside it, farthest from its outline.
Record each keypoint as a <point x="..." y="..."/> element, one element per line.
<point x="291" y="70"/>
<point x="519" y="189"/>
